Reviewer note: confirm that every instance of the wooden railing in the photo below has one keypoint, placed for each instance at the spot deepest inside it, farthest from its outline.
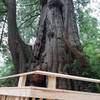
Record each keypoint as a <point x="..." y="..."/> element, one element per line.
<point x="23" y="92"/>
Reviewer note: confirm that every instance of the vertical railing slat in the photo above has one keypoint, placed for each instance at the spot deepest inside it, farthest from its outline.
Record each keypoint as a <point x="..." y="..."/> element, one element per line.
<point x="51" y="84"/>
<point x="3" y="98"/>
<point x="21" y="83"/>
<point x="33" y="98"/>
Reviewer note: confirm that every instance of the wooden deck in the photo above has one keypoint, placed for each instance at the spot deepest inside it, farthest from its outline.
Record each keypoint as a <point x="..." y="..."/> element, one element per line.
<point x="38" y="92"/>
<point x="23" y="92"/>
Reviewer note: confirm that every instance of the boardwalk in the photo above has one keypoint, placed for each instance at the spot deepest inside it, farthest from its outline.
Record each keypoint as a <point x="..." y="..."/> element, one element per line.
<point x="23" y="92"/>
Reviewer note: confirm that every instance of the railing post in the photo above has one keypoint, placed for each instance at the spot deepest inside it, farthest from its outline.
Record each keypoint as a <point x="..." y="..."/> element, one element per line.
<point x="21" y="83"/>
<point x="51" y="83"/>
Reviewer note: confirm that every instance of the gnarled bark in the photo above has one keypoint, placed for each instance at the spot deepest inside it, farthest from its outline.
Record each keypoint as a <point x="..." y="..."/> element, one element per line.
<point x="57" y="46"/>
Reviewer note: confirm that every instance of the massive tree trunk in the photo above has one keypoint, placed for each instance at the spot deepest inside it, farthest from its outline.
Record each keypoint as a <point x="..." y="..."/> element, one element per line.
<point x="57" y="46"/>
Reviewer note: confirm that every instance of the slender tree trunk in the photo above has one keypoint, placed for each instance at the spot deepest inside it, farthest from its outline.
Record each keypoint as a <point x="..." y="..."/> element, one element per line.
<point x="21" y="53"/>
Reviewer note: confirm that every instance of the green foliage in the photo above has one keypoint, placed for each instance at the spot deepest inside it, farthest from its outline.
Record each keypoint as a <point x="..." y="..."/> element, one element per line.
<point x="6" y="70"/>
<point x="2" y="8"/>
<point x="28" y="12"/>
<point x="90" y="37"/>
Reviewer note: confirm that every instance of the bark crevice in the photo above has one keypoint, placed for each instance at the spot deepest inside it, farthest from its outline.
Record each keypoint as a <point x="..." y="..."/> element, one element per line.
<point x="57" y="46"/>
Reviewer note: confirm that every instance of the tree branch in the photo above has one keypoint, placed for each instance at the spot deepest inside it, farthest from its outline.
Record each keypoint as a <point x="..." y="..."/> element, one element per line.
<point x="28" y="20"/>
<point x="1" y="38"/>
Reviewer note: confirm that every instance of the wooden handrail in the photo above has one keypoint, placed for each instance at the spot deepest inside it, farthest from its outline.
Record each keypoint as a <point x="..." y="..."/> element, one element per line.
<point x="54" y="75"/>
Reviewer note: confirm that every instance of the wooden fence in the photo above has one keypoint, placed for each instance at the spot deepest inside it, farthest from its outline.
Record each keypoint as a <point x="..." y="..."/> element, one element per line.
<point x="23" y="92"/>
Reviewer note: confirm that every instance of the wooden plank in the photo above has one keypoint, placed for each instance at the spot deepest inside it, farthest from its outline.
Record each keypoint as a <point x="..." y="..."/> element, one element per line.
<point x="22" y="98"/>
<point x="68" y="76"/>
<point x="6" y="98"/>
<point x="12" y="98"/>
<point x="54" y="75"/>
<point x="49" y="93"/>
<point x="17" y="98"/>
<point x="51" y="82"/>
<point x="41" y="99"/>
<point x="26" y="99"/>
<point x="33" y="98"/>
<point x="3" y="98"/>
<point x="15" y="91"/>
<point x="9" y="98"/>
<point x="0" y="97"/>
<point x="22" y="81"/>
